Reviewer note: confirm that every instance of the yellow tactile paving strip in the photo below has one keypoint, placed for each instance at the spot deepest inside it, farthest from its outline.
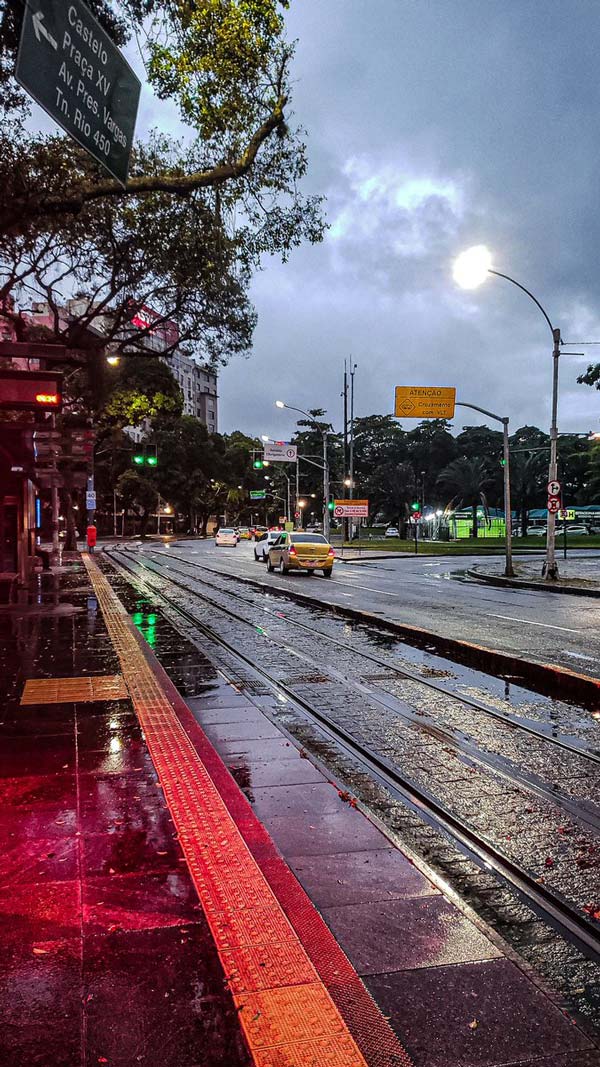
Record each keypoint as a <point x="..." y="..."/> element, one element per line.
<point x="77" y="690"/>
<point x="287" y="1014"/>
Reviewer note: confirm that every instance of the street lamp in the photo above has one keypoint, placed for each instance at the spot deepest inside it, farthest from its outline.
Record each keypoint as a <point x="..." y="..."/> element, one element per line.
<point x="326" y="517"/>
<point x="470" y="270"/>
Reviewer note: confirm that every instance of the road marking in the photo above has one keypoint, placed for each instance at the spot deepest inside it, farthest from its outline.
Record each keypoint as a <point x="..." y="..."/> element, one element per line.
<point x="528" y="622"/>
<point x="367" y="587"/>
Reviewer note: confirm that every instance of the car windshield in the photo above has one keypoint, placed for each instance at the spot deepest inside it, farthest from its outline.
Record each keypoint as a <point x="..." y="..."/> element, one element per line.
<point x="311" y="539"/>
<point x="223" y="531"/>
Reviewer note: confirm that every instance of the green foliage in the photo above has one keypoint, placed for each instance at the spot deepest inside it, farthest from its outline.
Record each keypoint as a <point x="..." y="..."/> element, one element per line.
<point x="146" y="389"/>
<point x="591" y="376"/>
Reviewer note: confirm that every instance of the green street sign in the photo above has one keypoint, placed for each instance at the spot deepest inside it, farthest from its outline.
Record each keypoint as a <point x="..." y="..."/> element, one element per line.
<point x="70" y="66"/>
<point x="257" y="494"/>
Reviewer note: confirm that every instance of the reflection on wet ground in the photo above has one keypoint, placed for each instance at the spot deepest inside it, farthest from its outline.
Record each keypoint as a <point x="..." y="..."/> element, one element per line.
<point x="101" y="934"/>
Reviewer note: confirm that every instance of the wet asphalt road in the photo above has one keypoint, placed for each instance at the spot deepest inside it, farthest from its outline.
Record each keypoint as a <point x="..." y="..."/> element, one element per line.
<point x="436" y="594"/>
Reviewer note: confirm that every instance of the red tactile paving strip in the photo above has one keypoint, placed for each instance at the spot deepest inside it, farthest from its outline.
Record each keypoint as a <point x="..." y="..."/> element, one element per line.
<point x="299" y="1000"/>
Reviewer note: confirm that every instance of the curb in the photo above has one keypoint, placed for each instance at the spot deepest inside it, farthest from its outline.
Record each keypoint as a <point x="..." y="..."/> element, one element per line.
<point x="520" y="583"/>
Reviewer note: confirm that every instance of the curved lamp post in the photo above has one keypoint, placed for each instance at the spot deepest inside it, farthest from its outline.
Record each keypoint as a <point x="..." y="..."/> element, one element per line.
<point x="290" y="407"/>
<point x="470" y="270"/>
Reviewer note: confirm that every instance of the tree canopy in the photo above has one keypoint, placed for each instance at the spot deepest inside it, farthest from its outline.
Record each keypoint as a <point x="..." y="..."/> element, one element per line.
<point x="197" y="213"/>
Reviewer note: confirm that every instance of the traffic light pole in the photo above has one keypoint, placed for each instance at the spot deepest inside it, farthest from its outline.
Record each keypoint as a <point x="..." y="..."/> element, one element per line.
<point x="326" y="516"/>
<point x="508" y="569"/>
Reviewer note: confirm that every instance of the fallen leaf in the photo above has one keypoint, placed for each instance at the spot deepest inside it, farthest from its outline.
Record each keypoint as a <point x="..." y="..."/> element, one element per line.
<point x="473" y="1024"/>
<point x="549" y="862"/>
<point x="40" y="951"/>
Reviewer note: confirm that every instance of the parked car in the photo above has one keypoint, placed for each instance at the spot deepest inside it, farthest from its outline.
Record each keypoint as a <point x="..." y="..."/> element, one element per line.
<point x="263" y="544"/>
<point x="537" y="531"/>
<point x="226" y="536"/>
<point x="392" y="532"/>
<point x="301" y="551"/>
<point x="576" y="529"/>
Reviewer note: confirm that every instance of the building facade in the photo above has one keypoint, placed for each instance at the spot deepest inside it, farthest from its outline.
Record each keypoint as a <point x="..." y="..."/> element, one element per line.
<point x="198" y="383"/>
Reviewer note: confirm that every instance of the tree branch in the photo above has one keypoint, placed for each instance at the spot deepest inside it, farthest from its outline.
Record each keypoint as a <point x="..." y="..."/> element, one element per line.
<point x="25" y="210"/>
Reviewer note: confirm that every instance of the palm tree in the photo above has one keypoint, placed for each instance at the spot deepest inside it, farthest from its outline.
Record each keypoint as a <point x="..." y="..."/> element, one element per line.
<point x="465" y="479"/>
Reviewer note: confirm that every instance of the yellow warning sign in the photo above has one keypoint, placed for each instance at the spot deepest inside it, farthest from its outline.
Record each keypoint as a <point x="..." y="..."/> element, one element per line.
<point x="424" y="402"/>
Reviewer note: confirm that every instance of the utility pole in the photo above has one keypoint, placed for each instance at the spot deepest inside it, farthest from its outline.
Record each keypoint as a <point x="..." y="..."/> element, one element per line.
<point x="326" y="514"/>
<point x="345" y="521"/>
<point x="352" y="373"/>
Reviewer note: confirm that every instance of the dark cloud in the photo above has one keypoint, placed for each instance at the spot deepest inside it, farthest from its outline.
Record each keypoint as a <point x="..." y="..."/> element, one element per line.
<point x="435" y="125"/>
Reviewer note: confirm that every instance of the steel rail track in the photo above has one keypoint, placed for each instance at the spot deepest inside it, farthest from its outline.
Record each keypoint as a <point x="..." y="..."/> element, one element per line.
<point x="575" y="748"/>
<point x="552" y="908"/>
<point x="501" y="766"/>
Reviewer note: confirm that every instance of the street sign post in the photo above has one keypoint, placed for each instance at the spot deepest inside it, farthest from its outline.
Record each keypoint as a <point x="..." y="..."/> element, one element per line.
<point x="553" y="488"/>
<point x="280" y="452"/>
<point x="90" y="500"/>
<point x="566" y="514"/>
<point x="70" y="66"/>
<point x="351" y="509"/>
<point x="553" y="505"/>
<point x="424" y="402"/>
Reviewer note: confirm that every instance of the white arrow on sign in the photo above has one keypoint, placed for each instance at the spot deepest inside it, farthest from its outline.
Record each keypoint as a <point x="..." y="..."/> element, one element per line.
<point x="39" y="28"/>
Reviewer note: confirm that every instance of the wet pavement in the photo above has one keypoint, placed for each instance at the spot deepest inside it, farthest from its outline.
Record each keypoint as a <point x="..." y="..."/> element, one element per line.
<point x="249" y="743"/>
<point x="438" y="595"/>
<point x="109" y="957"/>
<point x="105" y="954"/>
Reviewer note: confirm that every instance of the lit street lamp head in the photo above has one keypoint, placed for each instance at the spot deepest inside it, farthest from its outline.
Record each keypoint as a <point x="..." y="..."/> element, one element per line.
<point x="279" y="404"/>
<point x="472" y="267"/>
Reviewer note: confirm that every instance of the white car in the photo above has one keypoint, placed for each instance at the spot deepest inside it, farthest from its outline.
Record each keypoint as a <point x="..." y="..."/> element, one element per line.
<point x="537" y="531"/>
<point x="226" y="536"/>
<point x="263" y="544"/>
<point x="392" y="532"/>
<point x="576" y="528"/>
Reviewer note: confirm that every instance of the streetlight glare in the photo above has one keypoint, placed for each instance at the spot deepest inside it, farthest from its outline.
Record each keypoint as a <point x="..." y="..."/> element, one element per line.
<point x="279" y="404"/>
<point x="471" y="267"/>
<point x="264" y="437"/>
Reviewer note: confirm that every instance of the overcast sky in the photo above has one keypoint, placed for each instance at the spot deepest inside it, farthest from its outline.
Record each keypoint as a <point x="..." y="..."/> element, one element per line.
<point x="433" y="125"/>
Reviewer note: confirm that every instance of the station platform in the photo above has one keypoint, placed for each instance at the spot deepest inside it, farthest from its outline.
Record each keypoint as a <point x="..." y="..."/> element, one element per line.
<point x="181" y="885"/>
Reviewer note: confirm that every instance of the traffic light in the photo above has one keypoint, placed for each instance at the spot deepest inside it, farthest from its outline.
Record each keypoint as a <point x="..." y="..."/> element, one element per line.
<point x="415" y="506"/>
<point x="330" y="505"/>
<point x="258" y="464"/>
<point x="145" y="456"/>
<point x="502" y="461"/>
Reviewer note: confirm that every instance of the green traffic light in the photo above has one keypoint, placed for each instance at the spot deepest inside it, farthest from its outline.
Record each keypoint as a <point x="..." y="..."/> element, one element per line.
<point x="152" y="461"/>
<point x="331" y="505"/>
<point x="415" y="506"/>
<point x="258" y="464"/>
<point x="139" y="460"/>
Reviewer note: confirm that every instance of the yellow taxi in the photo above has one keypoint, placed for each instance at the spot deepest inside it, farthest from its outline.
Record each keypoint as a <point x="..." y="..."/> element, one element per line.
<point x="301" y="551"/>
<point x="244" y="533"/>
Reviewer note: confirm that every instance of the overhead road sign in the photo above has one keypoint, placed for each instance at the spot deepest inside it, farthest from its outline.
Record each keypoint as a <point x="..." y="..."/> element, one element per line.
<point x="69" y="64"/>
<point x="351" y="509"/>
<point x="424" y="402"/>
<point x="257" y="494"/>
<point x="280" y="452"/>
